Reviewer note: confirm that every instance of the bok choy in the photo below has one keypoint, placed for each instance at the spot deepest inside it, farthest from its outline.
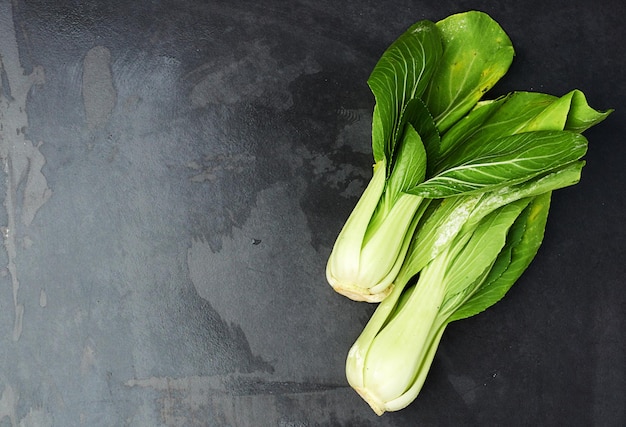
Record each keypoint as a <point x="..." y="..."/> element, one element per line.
<point x="427" y="79"/>
<point x="458" y="202"/>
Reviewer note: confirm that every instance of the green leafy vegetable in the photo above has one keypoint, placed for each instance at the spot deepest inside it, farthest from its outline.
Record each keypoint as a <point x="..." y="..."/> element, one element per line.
<point x="459" y="199"/>
<point x="365" y="261"/>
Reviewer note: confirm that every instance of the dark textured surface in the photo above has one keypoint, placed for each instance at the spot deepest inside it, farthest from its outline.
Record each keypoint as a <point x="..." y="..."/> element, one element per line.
<point x="175" y="174"/>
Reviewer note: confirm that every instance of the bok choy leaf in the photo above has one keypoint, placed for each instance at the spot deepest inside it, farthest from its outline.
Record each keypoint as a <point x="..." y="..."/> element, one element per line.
<point x="507" y="160"/>
<point x="476" y="54"/>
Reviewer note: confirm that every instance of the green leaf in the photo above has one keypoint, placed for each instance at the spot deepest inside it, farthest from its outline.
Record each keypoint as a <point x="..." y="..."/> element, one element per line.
<point x="523" y="242"/>
<point x="582" y="116"/>
<point x="441" y="224"/>
<point x="516" y="113"/>
<point x="476" y="54"/>
<point x="417" y="115"/>
<point x="468" y="126"/>
<point x="409" y="167"/>
<point x="480" y="251"/>
<point x="448" y="218"/>
<point x="559" y="178"/>
<point x="553" y="117"/>
<point x="508" y="115"/>
<point x="400" y="75"/>
<point x="508" y="160"/>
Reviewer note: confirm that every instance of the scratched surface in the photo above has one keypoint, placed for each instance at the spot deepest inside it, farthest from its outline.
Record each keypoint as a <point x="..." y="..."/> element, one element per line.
<point x="174" y="175"/>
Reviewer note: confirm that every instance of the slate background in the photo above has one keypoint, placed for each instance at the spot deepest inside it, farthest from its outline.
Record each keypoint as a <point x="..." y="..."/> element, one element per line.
<point x="175" y="173"/>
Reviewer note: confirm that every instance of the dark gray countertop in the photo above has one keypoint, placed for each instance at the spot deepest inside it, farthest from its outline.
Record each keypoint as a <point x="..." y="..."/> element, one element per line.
<point x="175" y="174"/>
